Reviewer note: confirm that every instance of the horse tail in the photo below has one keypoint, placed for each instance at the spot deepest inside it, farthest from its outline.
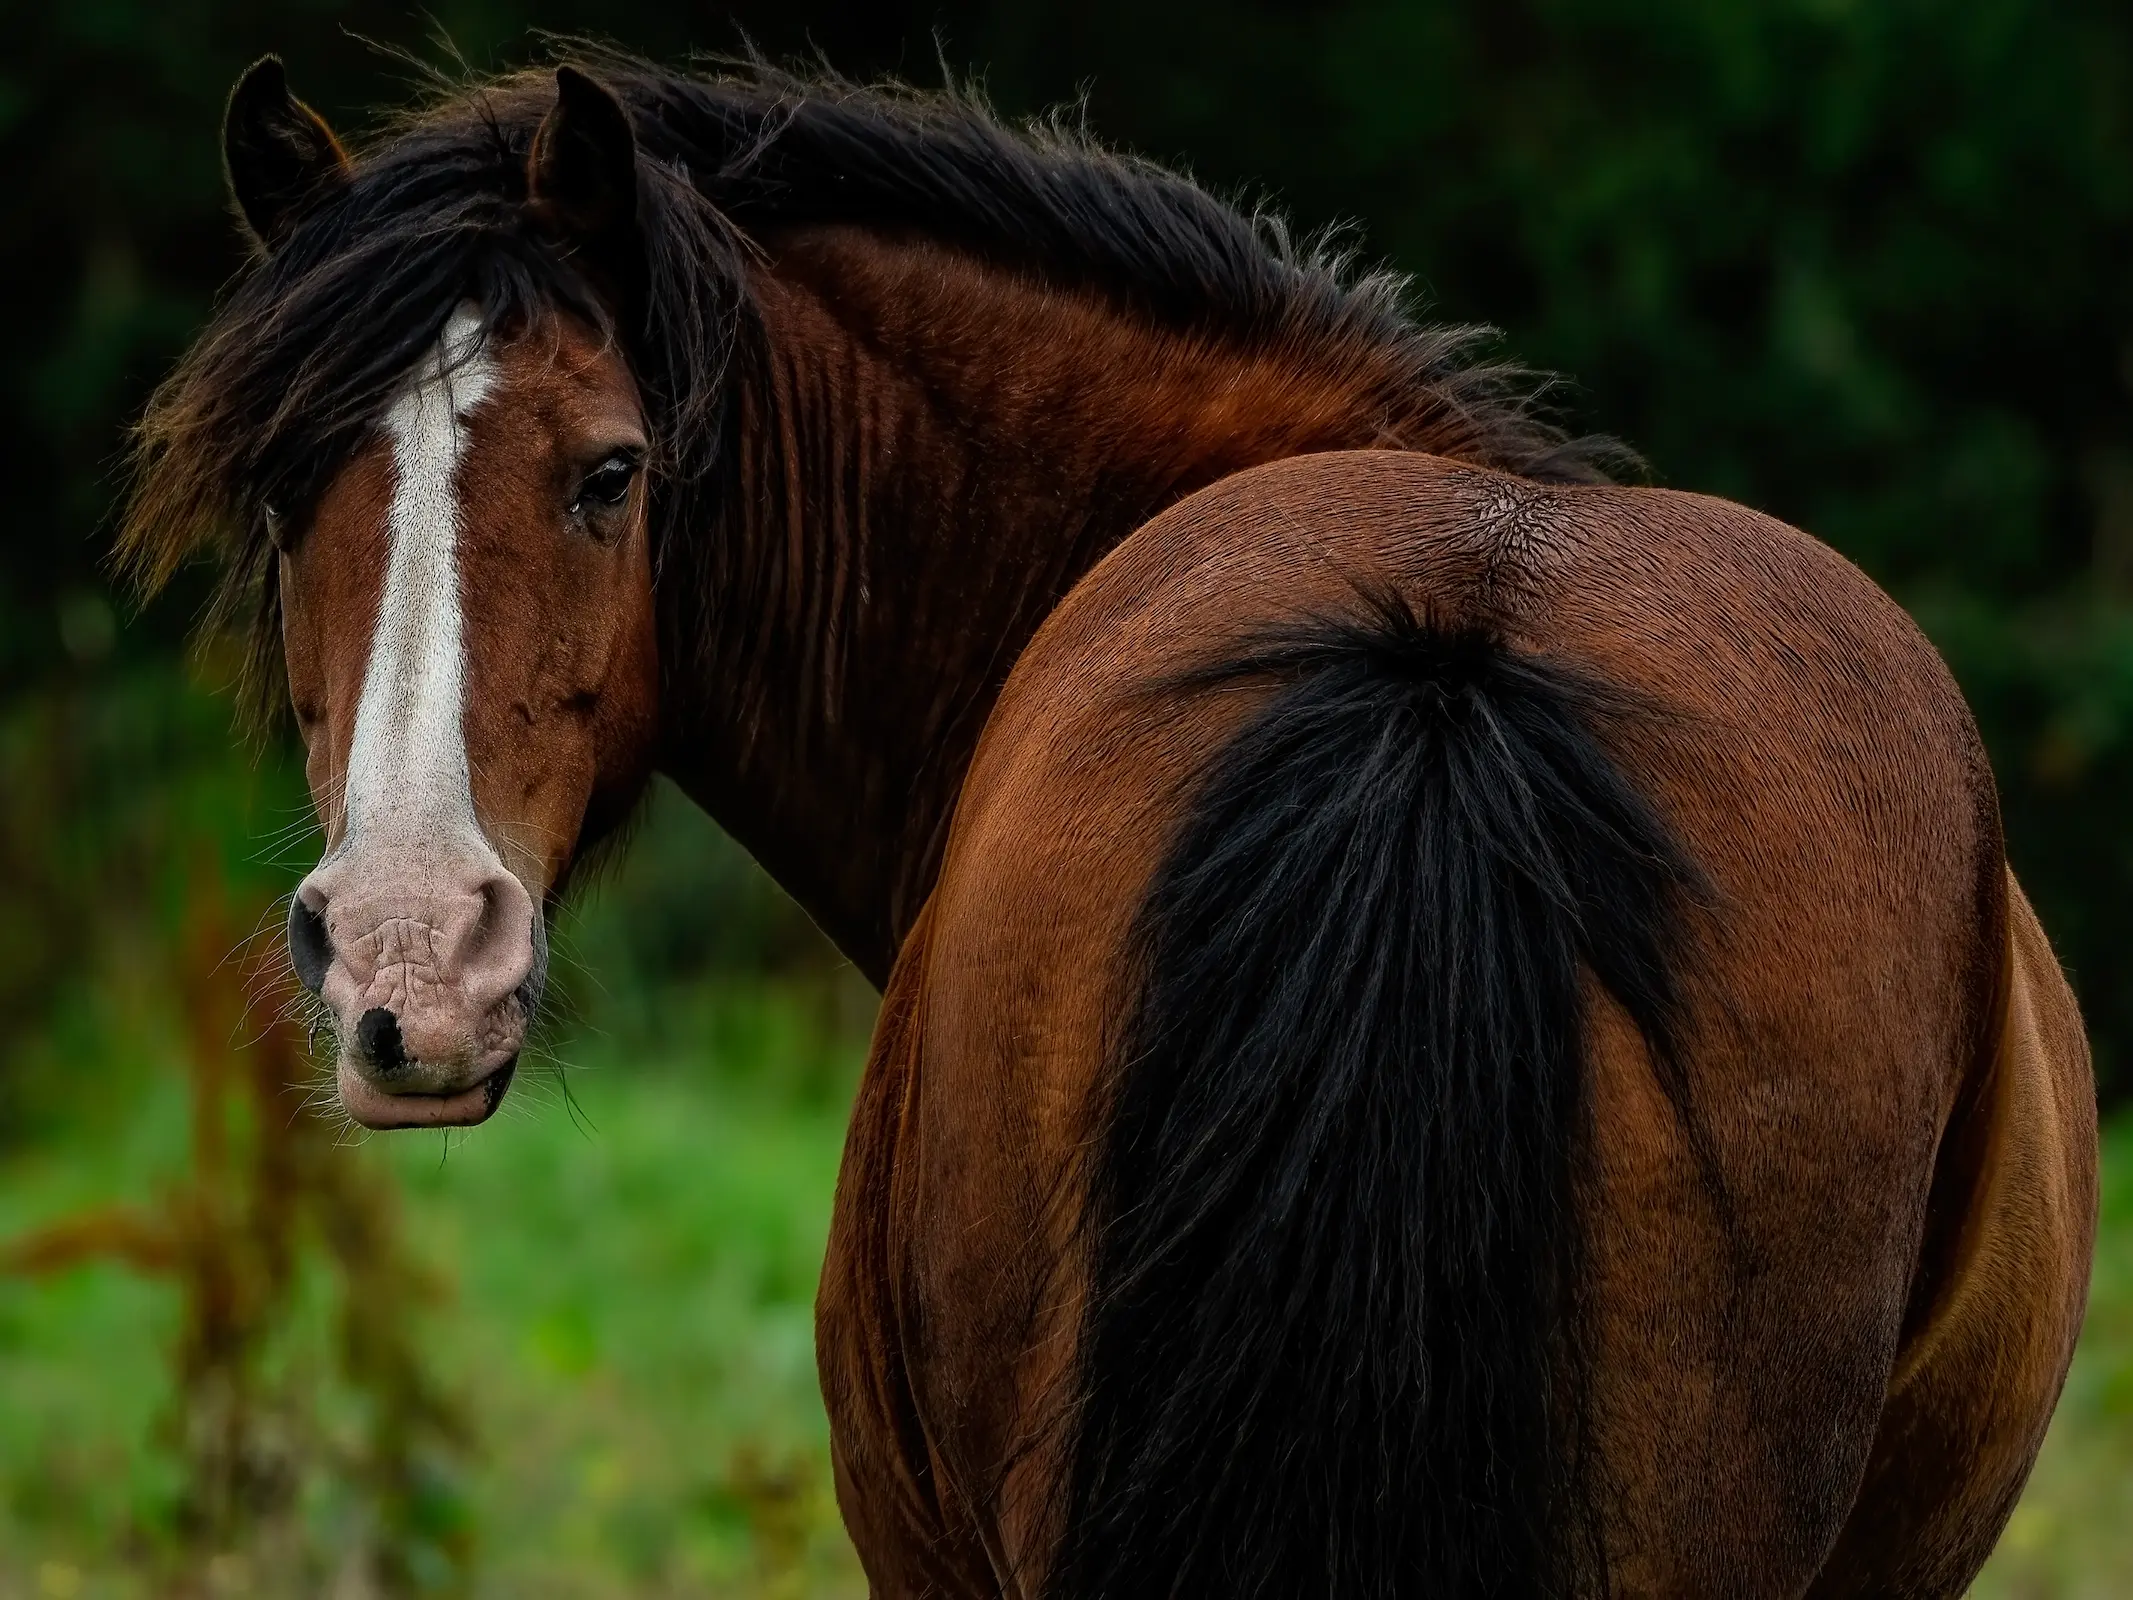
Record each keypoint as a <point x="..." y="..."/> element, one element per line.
<point x="1330" y="1345"/>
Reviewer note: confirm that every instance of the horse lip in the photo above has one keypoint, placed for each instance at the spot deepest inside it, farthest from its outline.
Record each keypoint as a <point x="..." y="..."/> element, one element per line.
<point x="461" y="1108"/>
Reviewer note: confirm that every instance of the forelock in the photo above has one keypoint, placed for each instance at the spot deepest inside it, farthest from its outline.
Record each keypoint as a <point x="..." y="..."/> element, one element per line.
<point x="300" y="360"/>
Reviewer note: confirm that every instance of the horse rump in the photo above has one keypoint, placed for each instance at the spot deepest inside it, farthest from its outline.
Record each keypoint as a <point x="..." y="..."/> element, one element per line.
<point x="1331" y="1343"/>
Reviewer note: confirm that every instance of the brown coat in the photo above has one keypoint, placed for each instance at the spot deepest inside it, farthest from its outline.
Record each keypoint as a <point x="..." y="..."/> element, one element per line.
<point x="1846" y="1396"/>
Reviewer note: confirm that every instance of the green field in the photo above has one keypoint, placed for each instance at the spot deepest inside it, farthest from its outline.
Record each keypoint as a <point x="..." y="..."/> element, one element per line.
<point x="627" y="1326"/>
<point x="629" y="1330"/>
<point x="619" y="1321"/>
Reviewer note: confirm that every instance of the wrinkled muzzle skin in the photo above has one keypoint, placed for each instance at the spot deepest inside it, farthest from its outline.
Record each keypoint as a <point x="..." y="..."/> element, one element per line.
<point x="468" y="622"/>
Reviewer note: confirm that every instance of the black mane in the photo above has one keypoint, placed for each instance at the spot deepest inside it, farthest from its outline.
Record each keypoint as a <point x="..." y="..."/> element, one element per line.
<point x="299" y="359"/>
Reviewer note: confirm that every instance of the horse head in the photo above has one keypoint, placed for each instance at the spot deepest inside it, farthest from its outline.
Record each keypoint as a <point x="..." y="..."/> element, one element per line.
<point x="468" y="626"/>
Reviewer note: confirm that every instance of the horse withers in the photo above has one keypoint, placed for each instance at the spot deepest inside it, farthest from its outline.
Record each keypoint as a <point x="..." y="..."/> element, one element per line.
<point x="1448" y="1027"/>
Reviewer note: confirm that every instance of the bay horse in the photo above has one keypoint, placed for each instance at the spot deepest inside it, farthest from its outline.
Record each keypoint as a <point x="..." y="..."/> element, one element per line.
<point x="1449" y="1027"/>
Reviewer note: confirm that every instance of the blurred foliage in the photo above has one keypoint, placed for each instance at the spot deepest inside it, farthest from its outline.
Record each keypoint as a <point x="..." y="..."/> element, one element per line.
<point x="1862" y="263"/>
<point x="264" y="1486"/>
<point x="580" y="1365"/>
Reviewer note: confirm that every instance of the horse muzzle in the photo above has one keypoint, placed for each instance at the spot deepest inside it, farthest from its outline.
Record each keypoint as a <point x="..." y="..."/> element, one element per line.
<point x="431" y="966"/>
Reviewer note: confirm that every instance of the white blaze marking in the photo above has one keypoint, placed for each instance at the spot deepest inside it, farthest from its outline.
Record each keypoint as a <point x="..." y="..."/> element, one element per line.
<point x="407" y="761"/>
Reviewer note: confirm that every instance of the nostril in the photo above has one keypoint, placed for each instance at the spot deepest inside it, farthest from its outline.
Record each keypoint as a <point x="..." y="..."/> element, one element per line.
<point x="309" y="951"/>
<point x="498" y="948"/>
<point x="378" y="1038"/>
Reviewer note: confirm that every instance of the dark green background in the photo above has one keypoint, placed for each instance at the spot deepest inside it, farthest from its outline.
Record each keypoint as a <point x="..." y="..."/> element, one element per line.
<point x="1865" y="266"/>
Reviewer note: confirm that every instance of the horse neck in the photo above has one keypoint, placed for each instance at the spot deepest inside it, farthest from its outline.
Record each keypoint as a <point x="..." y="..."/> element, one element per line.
<point x="927" y="452"/>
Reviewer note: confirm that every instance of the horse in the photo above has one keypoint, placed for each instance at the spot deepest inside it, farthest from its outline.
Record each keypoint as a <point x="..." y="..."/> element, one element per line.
<point x="1449" y="1025"/>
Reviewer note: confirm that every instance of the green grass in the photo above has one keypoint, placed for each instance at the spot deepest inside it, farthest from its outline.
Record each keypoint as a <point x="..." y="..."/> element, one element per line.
<point x="628" y="1327"/>
<point x="635" y="1331"/>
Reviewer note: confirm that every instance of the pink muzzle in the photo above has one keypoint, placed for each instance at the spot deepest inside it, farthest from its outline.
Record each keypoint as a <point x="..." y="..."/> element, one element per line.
<point x="430" y="960"/>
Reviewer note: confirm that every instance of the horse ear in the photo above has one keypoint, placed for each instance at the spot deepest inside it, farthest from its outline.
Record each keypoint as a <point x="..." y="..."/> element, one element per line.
<point x="279" y="153"/>
<point x="581" y="175"/>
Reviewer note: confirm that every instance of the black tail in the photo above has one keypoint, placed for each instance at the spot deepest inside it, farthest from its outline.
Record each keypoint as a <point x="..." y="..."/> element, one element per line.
<point x="1331" y="1340"/>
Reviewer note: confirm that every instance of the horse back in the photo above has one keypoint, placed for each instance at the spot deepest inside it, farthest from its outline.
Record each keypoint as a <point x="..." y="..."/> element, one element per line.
<point x="1753" y="1268"/>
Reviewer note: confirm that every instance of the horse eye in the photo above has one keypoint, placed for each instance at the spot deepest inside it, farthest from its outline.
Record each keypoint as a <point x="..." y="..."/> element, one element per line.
<point x="606" y="486"/>
<point x="277" y="524"/>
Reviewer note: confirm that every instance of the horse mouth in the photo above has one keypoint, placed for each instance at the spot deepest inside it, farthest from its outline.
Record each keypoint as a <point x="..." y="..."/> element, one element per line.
<point x="374" y="1107"/>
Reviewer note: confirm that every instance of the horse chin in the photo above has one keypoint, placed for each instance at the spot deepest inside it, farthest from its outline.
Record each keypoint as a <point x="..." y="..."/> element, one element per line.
<point x="373" y="1107"/>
